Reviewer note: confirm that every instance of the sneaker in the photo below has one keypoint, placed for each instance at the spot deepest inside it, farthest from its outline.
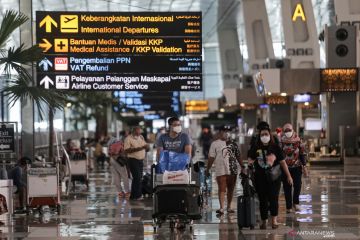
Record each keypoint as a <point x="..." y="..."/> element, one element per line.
<point x="139" y="199"/>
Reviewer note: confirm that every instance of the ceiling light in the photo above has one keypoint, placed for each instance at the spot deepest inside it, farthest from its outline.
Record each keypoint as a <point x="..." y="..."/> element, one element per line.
<point x="242" y="104"/>
<point x="222" y="110"/>
<point x="306" y="103"/>
<point x="283" y="94"/>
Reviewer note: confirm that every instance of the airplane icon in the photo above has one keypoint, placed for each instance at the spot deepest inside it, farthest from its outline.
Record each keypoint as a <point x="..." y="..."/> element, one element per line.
<point x="69" y="19"/>
<point x="69" y="23"/>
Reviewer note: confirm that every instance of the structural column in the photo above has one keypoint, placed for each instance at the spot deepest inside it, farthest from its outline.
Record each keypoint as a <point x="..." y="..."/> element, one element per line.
<point x="257" y="33"/>
<point x="27" y="106"/>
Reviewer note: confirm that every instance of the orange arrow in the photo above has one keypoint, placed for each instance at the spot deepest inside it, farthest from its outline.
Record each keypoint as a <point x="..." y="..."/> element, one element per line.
<point x="46" y="45"/>
<point x="48" y="21"/>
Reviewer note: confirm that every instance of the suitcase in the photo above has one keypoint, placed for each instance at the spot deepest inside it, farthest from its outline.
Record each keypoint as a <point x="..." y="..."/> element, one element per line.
<point x="246" y="205"/>
<point x="147" y="184"/>
<point x="246" y="212"/>
<point x="180" y="201"/>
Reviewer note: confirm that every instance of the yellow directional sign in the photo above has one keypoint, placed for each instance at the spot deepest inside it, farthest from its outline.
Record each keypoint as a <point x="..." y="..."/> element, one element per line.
<point x="69" y="23"/>
<point x="48" y="21"/>
<point x="46" y="45"/>
<point x="61" y="45"/>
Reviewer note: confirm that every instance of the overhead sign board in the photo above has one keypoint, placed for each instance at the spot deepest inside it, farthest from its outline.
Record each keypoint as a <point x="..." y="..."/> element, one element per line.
<point x="145" y="51"/>
<point x="147" y="101"/>
<point x="7" y="138"/>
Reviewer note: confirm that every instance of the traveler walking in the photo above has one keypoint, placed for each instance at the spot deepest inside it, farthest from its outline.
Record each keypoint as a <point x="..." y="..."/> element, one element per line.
<point x="118" y="168"/>
<point x="267" y="158"/>
<point x="135" y="147"/>
<point x="295" y="158"/>
<point x="225" y="153"/>
<point x="205" y="141"/>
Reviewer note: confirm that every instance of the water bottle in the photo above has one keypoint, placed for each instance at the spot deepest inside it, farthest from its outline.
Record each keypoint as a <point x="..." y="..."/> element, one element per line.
<point x="202" y="178"/>
<point x="209" y="184"/>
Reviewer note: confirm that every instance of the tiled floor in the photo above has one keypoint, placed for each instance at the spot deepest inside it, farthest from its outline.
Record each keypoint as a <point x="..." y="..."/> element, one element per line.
<point x="330" y="209"/>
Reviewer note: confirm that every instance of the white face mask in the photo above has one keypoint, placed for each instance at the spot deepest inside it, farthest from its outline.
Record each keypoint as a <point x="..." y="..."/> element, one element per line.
<point x="177" y="129"/>
<point x="265" y="139"/>
<point x="289" y="134"/>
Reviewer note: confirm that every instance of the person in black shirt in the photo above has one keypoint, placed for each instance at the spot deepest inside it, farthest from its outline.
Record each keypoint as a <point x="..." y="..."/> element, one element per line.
<point x="265" y="154"/>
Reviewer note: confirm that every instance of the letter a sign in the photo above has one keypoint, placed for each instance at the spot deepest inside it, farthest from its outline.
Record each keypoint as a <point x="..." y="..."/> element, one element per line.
<point x="299" y="12"/>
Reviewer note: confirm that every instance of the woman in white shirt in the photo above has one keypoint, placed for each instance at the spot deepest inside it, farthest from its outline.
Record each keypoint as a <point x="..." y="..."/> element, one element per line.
<point x="225" y="153"/>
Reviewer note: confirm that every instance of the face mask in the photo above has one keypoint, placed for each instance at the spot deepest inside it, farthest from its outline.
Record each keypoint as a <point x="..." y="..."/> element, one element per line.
<point x="265" y="139"/>
<point x="289" y="134"/>
<point x="177" y="129"/>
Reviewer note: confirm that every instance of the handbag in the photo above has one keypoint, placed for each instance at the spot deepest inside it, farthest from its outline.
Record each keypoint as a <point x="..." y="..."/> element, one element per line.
<point x="273" y="173"/>
<point x="122" y="160"/>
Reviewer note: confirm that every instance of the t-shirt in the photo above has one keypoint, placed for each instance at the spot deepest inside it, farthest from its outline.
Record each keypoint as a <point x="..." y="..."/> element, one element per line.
<point x="176" y="144"/>
<point x="225" y="155"/>
<point x="259" y="155"/>
<point x="135" y="142"/>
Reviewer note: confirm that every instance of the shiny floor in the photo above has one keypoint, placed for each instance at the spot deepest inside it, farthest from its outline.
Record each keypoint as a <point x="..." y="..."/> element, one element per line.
<point x="330" y="209"/>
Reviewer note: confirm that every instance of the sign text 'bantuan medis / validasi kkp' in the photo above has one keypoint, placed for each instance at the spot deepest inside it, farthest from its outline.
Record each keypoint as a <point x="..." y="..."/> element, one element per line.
<point x="139" y="51"/>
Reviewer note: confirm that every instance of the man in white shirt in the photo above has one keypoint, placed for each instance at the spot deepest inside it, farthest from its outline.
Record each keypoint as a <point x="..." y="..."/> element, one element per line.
<point x="135" y="147"/>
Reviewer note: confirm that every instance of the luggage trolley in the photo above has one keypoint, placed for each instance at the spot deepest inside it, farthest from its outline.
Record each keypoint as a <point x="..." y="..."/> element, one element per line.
<point x="43" y="187"/>
<point x="79" y="167"/>
<point x="176" y="203"/>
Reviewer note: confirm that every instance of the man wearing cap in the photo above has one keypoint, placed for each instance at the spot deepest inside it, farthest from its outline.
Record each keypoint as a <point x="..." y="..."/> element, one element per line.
<point x="225" y="153"/>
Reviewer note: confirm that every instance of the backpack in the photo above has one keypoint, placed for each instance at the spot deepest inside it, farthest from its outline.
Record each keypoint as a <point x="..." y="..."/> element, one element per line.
<point x="116" y="148"/>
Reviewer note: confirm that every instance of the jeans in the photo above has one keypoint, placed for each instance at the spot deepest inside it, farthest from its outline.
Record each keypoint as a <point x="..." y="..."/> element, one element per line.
<point x="292" y="197"/>
<point x="268" y="193"/>
<point x="120" y="174"/>
<point x="136" y="169"/>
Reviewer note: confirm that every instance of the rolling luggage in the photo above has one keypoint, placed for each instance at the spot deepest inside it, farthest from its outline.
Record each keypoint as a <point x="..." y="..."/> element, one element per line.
<point x="246" y="205"/>
<point x="246" y="212"/>
<point x="147" y="184"/>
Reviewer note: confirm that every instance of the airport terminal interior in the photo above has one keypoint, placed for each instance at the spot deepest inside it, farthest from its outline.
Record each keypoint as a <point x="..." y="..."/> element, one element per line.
<point x="180" y="119"/>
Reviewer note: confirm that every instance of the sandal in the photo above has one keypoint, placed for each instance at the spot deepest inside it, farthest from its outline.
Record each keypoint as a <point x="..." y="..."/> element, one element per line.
<point x="220" y="211"/>
<point x="127" y="195"/>
<point x="229" y="210"/>
<point x="121" y="194"/>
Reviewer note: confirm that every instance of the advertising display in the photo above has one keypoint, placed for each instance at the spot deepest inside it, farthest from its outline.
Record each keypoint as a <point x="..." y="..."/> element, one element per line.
<point x="126" y="51"/>
<point x="147" y="102"/>
<point x="7" y="138"/>
<point x="339" y="80"/>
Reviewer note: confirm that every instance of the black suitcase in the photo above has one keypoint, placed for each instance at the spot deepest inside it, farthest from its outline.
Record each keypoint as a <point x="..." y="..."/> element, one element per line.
<point x="246" y="212"/>
<point x="246" y="205"/>
<point x="146" y="184"/>
<point x="182" y="201"/>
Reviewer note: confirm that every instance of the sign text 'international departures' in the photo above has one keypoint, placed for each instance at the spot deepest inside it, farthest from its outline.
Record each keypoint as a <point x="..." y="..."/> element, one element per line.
<point x="120" y="51"/>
